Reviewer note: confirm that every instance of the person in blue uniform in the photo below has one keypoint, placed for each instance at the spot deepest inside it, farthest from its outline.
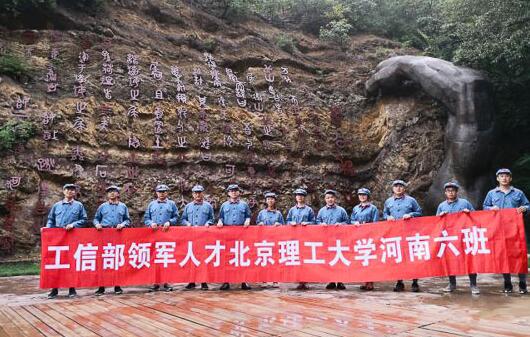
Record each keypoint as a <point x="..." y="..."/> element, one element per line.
<point x="454" y="204"/>
<point x="112" y="214"/>
<point x="332" y="214"/>
<point x="68" y="214"/>
<point x="300" y="214"/>
<point x="161" y="213"/>
<point x="270" y="216"/>
<point x="507" y="196"/>
<point x="401" y="206"/>
<point x="234" y="212"/>
<point x="365" y="212"/>
<point x="199" y="212"/>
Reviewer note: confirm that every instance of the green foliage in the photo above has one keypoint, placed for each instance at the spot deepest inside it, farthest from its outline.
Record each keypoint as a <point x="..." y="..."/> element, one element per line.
<point x="285" y="43"/>
<point x="19" y="268"/>
<point x="337" y="32"/>
<point x="13" y="67"/>
<point x="15" y="132"/>
<point x="232" y="10"/>
<point x="210" y="45"/>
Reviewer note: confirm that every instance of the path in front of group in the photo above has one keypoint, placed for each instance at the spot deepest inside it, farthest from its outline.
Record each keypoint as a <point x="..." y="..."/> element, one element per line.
<point x="283" y="311"/>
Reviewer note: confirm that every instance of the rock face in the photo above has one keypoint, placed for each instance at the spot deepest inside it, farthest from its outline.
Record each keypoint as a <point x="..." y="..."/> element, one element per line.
<point x="467" y="94"/>
<point x="337" y="137"/>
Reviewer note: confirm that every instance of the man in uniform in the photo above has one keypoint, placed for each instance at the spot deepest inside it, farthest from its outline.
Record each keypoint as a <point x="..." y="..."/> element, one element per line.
<point x="234" y="212"/>
<point x="507" y="196"/>
<point x="332" y="214"/>
<point x="401" y="206"/>
<point x="197" y="213"/>
<point x="161" y="213"/>
<point x="112" y="214"/>
<point x="454" y="204"/>
<point x="68" y="214"/>
<point x="300" y="213"/>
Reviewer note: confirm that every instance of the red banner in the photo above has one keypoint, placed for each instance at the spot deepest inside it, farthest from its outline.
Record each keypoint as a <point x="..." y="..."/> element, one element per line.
<point x="455" y="244"/>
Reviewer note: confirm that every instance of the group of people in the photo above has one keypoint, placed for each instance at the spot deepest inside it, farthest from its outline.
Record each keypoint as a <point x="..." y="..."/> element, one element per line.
<point x="163" y="213"/>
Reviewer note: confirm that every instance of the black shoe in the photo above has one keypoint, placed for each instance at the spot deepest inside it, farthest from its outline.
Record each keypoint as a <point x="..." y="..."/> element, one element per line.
<point x="340" y="286"/>
<point x="72" y="293"/>
<point x="118" y="290"/>
<point x="508" y="288"/>
<point x="331" y="286"/>
<point x="167" y="287"/>
<point x="302" y="286"/>
<point x="522" y="288"/>
<point x="245" y="286"/>
<point x="415" y="287"/>
<point x="100" y="291"/>
<point x="155" y="287"/>
<point x="53" y="293"/>
<point x="204" y="286"/>
<point x="190" y="286"/>
<point x="400" y="286"/>
<point x="225" y="286"/>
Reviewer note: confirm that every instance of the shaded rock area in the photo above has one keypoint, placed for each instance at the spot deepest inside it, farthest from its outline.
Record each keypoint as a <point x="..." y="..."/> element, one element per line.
<point x="337" y="137"/>
<point x="469" y="133"/>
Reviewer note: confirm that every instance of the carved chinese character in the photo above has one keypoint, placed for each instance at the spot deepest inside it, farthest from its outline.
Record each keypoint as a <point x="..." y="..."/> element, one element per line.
<point x="248" y="143"/>
<point x="181" y="98"/>
<point x="197" y="77"/>
<point x="22" y="102"/>
<point x="78" y="170"/>
<point x="45" y="164"/>
<point x="205" y="143"/>
<point x="83" y="57"/>
<point x="182" y="112"/>
<point x="251" y="78"/>
<point x="230" y="74"/>
<point x="269" y="76"/>
<point x="101" y="171"/>
<point x="103" y="125"/>
<point x="182" y="142"/>
<point x="284" y="71"/>
<point x="51" y="87"/>
<point x="49" y="135"/>
<point x="12" y="183"/>
<point x="135" y="93"/>
<point x="230" y="169"/>
<point x="221" y="101"/>
<point x="132" y="111"/>
<point x="77" y="154"/>
<point x="79" y="124"/>
<point x="54" y="54"/>
<point x="47" y="118"/>
<point x="157" y="144"/>
<point x="203" y="127"/>
<point x="228" y="140"/>
<point x="159" y="94"/>
<point x="133" y="172"/>
<point x="346" y="168"/>
<point x="155" y="72"/>
<point x="107" y="81"/>
<point x="134" y="142"/>
<point x="247" y="129"/>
